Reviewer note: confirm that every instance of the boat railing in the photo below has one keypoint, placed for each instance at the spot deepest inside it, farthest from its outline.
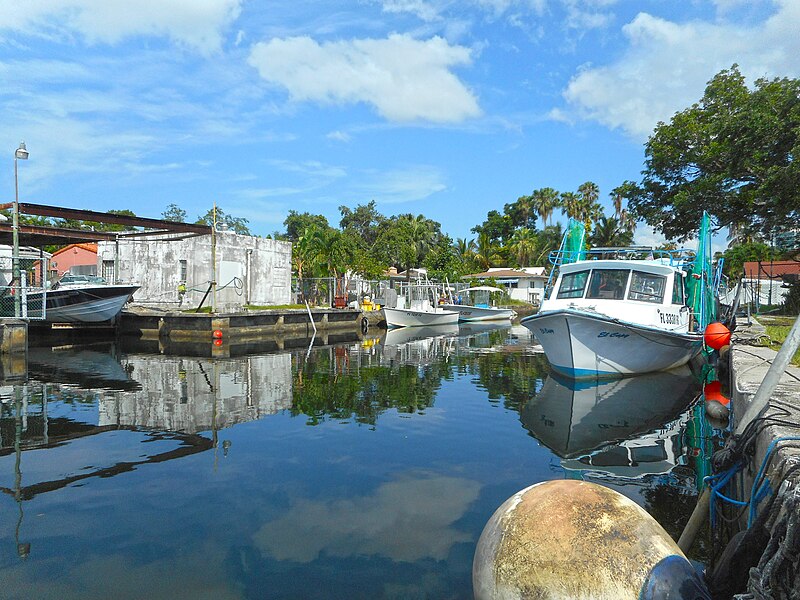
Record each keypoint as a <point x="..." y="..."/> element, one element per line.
<point x="678" y="257"/>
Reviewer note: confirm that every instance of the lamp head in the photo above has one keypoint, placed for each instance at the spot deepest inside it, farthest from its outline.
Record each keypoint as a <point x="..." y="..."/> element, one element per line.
<point x="21" y="152"/>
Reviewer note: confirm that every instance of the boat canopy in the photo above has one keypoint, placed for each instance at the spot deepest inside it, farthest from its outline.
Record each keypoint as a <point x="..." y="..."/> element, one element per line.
<point x="482" y="288"/>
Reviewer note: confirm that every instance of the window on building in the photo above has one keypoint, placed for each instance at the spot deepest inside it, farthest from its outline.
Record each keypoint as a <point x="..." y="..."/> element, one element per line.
<point x="108" y="270"/>
<point x="184" y="269"/>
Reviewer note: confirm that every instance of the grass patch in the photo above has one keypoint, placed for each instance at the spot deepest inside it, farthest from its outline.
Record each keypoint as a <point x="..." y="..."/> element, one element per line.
<point x="778" y="328"/>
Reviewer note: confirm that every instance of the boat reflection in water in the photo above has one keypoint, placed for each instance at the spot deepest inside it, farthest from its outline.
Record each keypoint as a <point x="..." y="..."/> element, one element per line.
<point x="627" y="427"/>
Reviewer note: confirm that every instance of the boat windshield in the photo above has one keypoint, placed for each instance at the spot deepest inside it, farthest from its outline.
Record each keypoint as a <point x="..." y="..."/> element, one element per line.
<point x="647" y="287"/>
<point x="573" y="284"/>
<point x="608" y="284"/>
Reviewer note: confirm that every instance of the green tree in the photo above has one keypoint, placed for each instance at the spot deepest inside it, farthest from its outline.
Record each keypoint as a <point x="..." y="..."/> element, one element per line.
<point x="487" y="252"/>
<point x="442" y="261"/>
<point x="364" y="221"/>
<point x="498" y="227"/>
<point x="524" y="246"/>
<point x="296" y="223"/>
<point x="733" y="154"/>
<point x="235" y="224"/>
<point x="545" y="201"/>
<point x="610" y="233"/>
<point x="737" y="255"/>
<point x="174" y="213"/>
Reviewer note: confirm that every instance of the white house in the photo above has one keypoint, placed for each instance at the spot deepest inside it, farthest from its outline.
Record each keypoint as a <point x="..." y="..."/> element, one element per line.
<point x="526" y="284"/>
<point x="176" y="271"/>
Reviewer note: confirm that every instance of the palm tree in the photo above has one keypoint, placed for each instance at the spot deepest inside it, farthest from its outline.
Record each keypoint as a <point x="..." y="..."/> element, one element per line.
<point x="589" y="192"/>
<point x="549" y="240"/>
<point x="545" y="200"/>
<point x="570" y="204"/>
<point x="525" y="205"/>
<point x="486" y="253"/>
<point x="610" y="233"/>
<point x="464" y="249"/>
<point x="523" y="247"/>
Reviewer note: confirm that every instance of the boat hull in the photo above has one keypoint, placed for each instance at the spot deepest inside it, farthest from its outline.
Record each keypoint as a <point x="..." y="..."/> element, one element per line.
<point x="469" y="314"/>
<point x="592" y="346"/>
<point x="403" y="317"/>
<point x="96" y="304"/>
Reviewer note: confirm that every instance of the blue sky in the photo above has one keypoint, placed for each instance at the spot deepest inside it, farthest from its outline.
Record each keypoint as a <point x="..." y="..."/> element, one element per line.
<point x="449" y="108"/>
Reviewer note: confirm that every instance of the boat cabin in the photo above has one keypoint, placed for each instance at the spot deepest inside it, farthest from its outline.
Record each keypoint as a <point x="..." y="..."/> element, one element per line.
<point x="646" y="290"/>
<point x="617" y="280"/>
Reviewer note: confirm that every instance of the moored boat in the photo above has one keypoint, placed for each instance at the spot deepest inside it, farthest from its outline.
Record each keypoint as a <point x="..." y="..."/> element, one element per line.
<point x="415" y="309"/>
<point x="75" y="299"/>
<point x="617" y="312"/>
<point x="478" y="307"/>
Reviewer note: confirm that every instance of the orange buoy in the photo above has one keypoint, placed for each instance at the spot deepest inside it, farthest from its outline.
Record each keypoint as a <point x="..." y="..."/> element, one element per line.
<point x="717" y="335"/>
<point x="712" y="392"/>
<point x="217" y="334"/>
<point x="218" y="342"/>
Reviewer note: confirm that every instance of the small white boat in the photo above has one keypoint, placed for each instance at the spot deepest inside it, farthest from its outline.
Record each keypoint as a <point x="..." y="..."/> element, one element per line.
<point x="625" y="315"/>
<point x="415" y="309"/>
<point x="478" y="307"/>
<point x="407" y="317"/>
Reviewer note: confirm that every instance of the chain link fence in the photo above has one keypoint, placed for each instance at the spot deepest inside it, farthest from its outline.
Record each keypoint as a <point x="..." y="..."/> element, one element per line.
<point x="23" y="287"/>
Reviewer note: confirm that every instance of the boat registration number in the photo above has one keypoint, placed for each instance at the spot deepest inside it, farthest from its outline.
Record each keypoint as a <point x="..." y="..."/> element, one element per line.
<point x="669" y="319"/>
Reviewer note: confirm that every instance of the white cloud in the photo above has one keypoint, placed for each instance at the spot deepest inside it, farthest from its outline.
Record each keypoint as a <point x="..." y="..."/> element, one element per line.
<point x="402" y="185"/>
<point x="425" y="11"/>
<point x="339" y="136"/>
<point x="403" y="78"/>
<point x="393" y="523"/>
<point x="667" y="65"/>
<point x="196" y="23"/>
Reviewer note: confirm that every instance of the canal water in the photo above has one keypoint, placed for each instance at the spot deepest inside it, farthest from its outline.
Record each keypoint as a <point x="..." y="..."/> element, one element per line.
<point x="360" y="469"/>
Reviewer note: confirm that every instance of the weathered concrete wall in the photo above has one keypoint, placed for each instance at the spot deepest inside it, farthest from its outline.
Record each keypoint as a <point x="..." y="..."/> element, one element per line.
<point x="192" y="395"/>
<point x="250" y="270"/>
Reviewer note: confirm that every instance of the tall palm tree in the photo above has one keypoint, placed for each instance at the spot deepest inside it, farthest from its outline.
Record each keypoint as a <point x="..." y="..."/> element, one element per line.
<point x="589" y="192"/>
<point x="545" y="201"/>
<point x="525" y="206"/>
<point x="570" y="204"/>
<point x="523" y="247"/>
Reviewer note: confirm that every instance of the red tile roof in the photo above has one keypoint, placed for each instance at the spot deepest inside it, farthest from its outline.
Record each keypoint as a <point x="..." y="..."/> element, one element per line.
<point x="771" y="270"/>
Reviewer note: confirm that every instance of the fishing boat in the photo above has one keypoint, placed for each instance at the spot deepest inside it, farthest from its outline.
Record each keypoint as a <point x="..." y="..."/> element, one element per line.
<point x="477" y="306"/>
<point x="415" y="308"/>
<point x="75" y="299"/>
<point x="623" y="311"/>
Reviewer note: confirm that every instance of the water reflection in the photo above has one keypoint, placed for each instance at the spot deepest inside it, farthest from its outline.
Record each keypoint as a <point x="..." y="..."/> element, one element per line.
<point x="630" y="425"/>
<point x="364" y="469"/>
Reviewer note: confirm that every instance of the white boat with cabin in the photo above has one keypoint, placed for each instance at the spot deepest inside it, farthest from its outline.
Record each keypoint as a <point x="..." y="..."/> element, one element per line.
<point x="478" y="306"/>
<point x="415" y="308"/>
<point x="621" y="314"/>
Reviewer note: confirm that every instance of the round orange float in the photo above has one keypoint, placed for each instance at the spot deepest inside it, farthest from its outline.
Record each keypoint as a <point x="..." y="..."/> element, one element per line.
<point x="717" y="335"/>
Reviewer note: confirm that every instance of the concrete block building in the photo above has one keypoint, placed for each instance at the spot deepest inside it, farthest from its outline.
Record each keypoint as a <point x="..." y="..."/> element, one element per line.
<point x="175" y="271"/>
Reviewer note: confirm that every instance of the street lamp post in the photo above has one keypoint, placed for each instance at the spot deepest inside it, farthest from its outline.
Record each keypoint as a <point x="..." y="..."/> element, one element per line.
<point x="21" y="153"/>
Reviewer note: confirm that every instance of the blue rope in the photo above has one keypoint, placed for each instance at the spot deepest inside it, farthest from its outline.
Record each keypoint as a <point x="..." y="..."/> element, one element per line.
<point x="716" y="483"/>
<point x="761" y="489"/>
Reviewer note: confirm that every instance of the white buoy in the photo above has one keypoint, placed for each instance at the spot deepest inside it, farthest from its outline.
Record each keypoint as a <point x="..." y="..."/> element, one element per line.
<point x="568" y="539"/>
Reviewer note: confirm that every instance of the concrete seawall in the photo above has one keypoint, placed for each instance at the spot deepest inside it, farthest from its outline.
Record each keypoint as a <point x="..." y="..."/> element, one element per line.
<point x="776" y="458"/>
